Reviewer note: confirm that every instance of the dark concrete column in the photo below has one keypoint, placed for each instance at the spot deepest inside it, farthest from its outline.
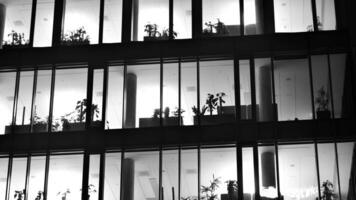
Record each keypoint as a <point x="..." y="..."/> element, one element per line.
<point x="264" y="16"/>
<point x="268" y="169"/>
<point x="128" y="179"/>
<point x="135" y="10"/>
<point x="265" y="108"/>
<point x="130" y="101"/>
<point x="2" y="22"/>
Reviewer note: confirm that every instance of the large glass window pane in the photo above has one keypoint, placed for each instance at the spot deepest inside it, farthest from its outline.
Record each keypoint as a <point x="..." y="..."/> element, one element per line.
<point x="150" y="20"/>
<point x="4" y="164"/>
<point x="170" y="174"/>
<point x="65" y="177"/>
<point x="69" y="104"/>
<point x="297" y="172"/>
<point x="248" y="174"/>
<point x="218" y="173"/>
<point x="141" y="178"/>
<point x="18" y="178"/>
<point x="36" y="177"/>
<point x="189" y="91"/>
<point x="16" y="15"/>
<point x="293" y="16"/>
<point x="170" y="95"/>
<point x="346" y="153"/>
<point x="7" y="92"/>
<point x="341" y="81"/>
<point x="328" y="171"/>
<point x="325" y="10"/>
<point x="321" y="84"/>
<point x="264" y="91"/>
<point x="267" y="172"/>
<point x="44" y="23"/>
<point x="182" y="18"/>
<point x="81" y="22"/>
<point x="97" y="101"/>
<point x="143" y="96"/>
<point x="292" y="89"/>
<point x="112" y="176"/>
<point x="217" y="92"/>
<point x="112" y="21"/>
<point x="41" y="104"/>
<point x="189" y="174"/>
<point x="24" y="102"/>
<point x="115" y="97"/>
<point x="94" y="171"/>
<point x="245" y="89"/>
<point x="221" y="18"/>
<point x="250" y="17"/>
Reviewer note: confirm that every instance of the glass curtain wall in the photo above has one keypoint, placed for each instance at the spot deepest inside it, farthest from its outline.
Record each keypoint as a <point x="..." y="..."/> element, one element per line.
<point x="189" y="91"/>
<point x="245" y="89"/>
<point x="4" y="164"/>
<point x="94" y="171"/>
<point x="170" y="97"/>
<point x="346" y="154"/>
<point x="182" y="19"/>
<point x="267" y="172"/>
<point x="170" y="172"/>
<point x="44" y="23"/>
<point x="112" y="176"/>
<point x="36" y="178"/>
<point x="325" y="10"/>
<point x="114" y="102"/>
<point x="189" y="174"/>
<point x="18" y="178"/>
<point x="248" y="174"/>
<point x="7" y="96"/>
<point x="112" y="21"/>
<point x="97" y="98"/>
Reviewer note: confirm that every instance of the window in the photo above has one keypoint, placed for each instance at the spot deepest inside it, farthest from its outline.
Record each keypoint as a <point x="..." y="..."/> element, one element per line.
<point x="4" y="164"/>
<point x="17" y="21"/>
<point x="325" y="10"/>
<point x="94" y="171"/>
<point x="150" y="20"/>
<point x="218" y="173"/>
<point x="141" y="175"/>
<point x="182" y="18"/>
<point x="217" y="92"/>
<point x="113" y="176"/>
<point x="7" y="93"/>
<point x="69" y="104"/>
<point x="81" y="17"/>
<point x="267" y="171"/>
<point x="345" y="152"/>
<point x="44" y="23"/>
<point x="115" y="97"/>
<point x="250" y="16"/>
<point x="189" y="92"/>
<point x="293" y="16"/>
<point x="292" y="89"/>
<point x="297" y="171"/>
<point x="18" y="177"/>
<point x="170" y="95"/>
<point x="248" y="174"/>
<point x="189" y="174"/>
<point x="245" y="89"/>
<point x="221" y="18"/>
<point x="112" y="21"/>
<point x="65" y="177"/>
<point x="36" y="177"/>
<point x="97" y="101"/>
<point x="143" y="96"/>
<point x="170" y="173"/>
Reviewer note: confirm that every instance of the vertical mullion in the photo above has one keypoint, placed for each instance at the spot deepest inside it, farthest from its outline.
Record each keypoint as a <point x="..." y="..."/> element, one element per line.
<point x="237" y="89"/>
<point x="311" y="84"/>
<point x="317" y="167"/>
<point x="179" y="170"/>
<point x="315" y="18"/>
<point x="28" y="169"/>
<point x="198" y="90"/>
<point x="101" y="21"/>
<point x="50" y="116"/>
<point x="197" y="18"/>
<point x="242" y="20"/>
<point x="101" y="176"/>
<point x="331" y="87"/>
<point x="160" y="190"/>
<point x="85" y="175"/>
<point x="256" y="172"/>
<point x="161" y="93"/>
<point x="122" y="172"/>
<point x="16" y="96"/>
<point x="275" y="118"/>
<point x="90" y="79"/>
<point x="105" y="93"/>
<point x="337" y="169"/>
<point x="124" y="97"/>
<point x="277" y="171"/>
<point x="199" y="170"/>
<point x="171" y="29"/>
<point x="34" y="90"/>
<point x="45" y="186"/>
<point x="126" y="20"/>
<point x="33" y="20"/>
<point x="239" y="171"/>
<point x="8" y="181"/>
<point x="179" y="93"/>
<point x="58" y="21"/>
<point x="253" y="89"/>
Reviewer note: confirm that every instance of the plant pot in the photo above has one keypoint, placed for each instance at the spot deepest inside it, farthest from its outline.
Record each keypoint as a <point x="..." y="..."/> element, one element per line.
<point x="26" y="128"/>
<point x="154" y="122"/>
<point x="80" y="126"/>
<point x="147" y="38"/>
<point x="323" y="114"/>
<point x="214" y="119"/>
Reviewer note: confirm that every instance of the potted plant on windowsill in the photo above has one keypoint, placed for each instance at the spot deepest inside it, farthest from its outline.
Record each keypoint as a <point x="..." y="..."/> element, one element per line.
<point x="77" y="37"/>
<point x="167" y="120"/>
<point x="63" y="194"/>
<point x="217" y="29"/>
<point x="39" y="195"/>
<point x="19" y="194"/>
<point x="154" y="35"/>
<point x="322" y="102"/>
<point x="39" y="125"/>
<point x="17" y="40"/>
<point x="328" y="191"/>
<point x="225" y="114"/>
<point x="209" y="192"/>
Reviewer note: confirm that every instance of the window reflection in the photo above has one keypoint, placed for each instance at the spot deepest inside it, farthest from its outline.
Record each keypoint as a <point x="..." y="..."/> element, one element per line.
<point x="248" y="174"/>
<point x="7" y="92"/>
<point x="250" y="16"/>
<point x="245" y="89"/>
<point x="112" y="176"/>
<point x="36" y="178"/>
<point x="189" y="91"/>
<point x="170" y="106"/>
<point x="267" y="172"/>
<point x="182" y="18"/>
<point x="112" y="21"/>
<point x="4" y="163"/>
<point x="18" y="178"/>
<point x="325" y="10"/>
<point x="65" y="177"/>
<point x="115" y="97"/>
<point x="189" y="174"/>
<point x="44" y="23"/>
<point x="346" y="153"/>
<point x="97" y="99"/>
<point x="94" y="170"/>
<point x="170" y="174"/>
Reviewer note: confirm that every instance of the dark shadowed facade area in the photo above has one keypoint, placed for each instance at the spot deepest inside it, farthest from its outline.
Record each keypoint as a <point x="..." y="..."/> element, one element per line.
<point x="177" y="100"/>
